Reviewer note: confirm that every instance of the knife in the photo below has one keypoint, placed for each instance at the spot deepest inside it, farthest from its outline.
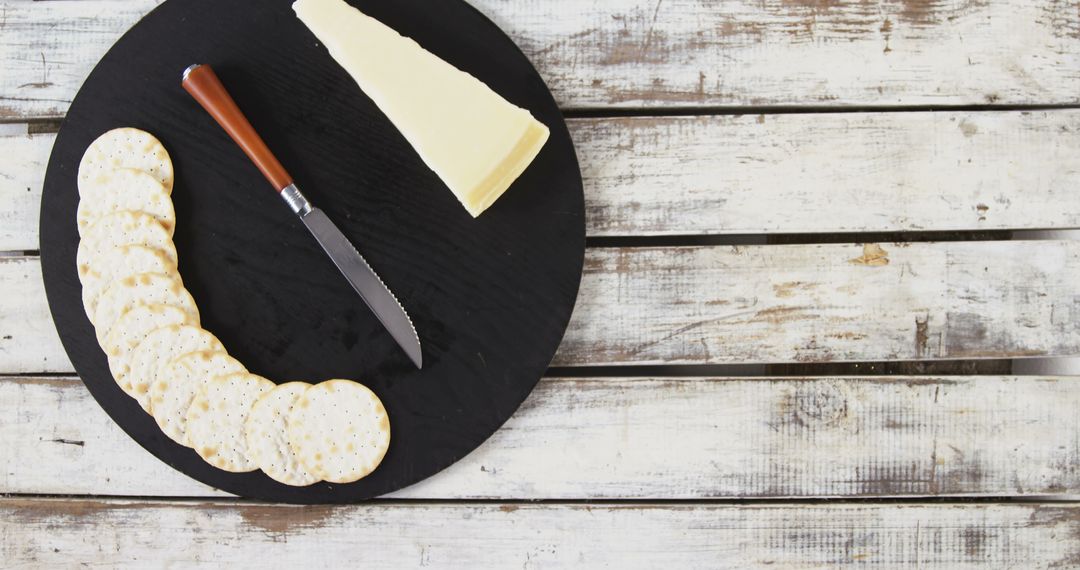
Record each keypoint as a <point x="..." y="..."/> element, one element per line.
<point x="203" y="84"/>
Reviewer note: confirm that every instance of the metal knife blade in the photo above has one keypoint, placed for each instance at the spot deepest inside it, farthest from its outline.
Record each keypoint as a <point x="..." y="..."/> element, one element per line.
<point x="359" y="273"/>
<point x="203" y="84"/>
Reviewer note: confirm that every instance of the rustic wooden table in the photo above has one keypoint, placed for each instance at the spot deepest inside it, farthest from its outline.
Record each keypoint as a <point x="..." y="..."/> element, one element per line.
<point x="801" y="284"/>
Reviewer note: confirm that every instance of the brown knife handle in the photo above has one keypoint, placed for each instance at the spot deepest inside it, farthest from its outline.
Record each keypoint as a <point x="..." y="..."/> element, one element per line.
<point x="203" y="84"/>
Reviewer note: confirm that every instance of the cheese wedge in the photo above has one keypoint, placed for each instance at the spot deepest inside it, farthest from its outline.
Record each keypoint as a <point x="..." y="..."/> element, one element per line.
<point x="476" y="141"/>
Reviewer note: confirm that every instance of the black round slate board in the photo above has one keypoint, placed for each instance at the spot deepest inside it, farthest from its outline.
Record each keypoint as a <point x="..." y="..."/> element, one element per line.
<point x="490" y="297"/>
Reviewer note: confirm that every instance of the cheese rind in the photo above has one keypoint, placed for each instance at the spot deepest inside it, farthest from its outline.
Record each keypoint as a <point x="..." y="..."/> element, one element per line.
<point x="476" y="141"/>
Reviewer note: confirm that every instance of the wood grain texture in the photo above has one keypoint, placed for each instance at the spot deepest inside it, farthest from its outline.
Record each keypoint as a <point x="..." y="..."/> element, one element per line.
<point x="686" y="438"/>
<point x="828" y="173"/>
<point x="822" y="303"/>
<point x="647" y="53"/>
<point x="752" y="304"/>
<point x="651" y="438"/>
<point x="686" y="53"/>
<point x="48" y="533"/>
<point x="861" y="172"/>
<point x="22" y="173"/>
<point x="28" y="338"/>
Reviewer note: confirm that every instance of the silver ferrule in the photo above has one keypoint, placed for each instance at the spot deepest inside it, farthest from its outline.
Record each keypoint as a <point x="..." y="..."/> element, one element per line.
<point x="296" y="201"/>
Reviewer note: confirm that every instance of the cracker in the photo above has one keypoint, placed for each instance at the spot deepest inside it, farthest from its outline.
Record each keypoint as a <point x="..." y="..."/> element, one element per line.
<point x="131" y="291"/>
<point x="128" y="189"/>
<point x="117" y="263"/>
<point x="133" y="326"/>
<point x="339" y="430"/>
<point x="118" y="229"/>
<point x="215" y="420"/>
<point x="178" y="382"/>
<point x="157" y="349"/>
<point x="126" y="148"/>
<point x="267" y="443"/>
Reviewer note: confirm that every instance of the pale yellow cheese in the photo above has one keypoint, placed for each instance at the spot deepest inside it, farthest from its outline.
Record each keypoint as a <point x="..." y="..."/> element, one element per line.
<point x="476" y="141"/>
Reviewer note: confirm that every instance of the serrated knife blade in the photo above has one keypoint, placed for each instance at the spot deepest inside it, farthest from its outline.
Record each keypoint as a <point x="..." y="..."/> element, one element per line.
<point x="365" y="281"/>
<point x="203" y="84"/>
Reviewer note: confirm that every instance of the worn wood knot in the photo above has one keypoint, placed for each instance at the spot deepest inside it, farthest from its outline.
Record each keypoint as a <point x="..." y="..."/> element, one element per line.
<point x="819" y="404"/>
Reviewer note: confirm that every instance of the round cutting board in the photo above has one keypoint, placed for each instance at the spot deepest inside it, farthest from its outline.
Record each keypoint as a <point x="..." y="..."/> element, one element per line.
<point x="490" y="297"/>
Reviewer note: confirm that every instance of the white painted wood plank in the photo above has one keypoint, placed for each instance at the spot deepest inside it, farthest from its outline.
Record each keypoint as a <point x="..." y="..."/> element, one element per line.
<point x="22" y="174"/>
<point x="46" y="51"/>
<point x="644" y="438"/>
<point x="28" y="339"/>
<point x="868" y="172"/>
<point x="753" y="304"/>
<point x="53" y="533"/>
<point x="828" y="173"/>
<point x="644" y="53"/>
<point x="822" y="303"/>
<point x="687" y="53"/>
<point x="55" y="421"/>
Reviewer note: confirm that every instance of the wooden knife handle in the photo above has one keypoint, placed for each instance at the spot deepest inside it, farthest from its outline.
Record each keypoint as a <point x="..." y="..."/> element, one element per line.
<point x="203" y="84"/>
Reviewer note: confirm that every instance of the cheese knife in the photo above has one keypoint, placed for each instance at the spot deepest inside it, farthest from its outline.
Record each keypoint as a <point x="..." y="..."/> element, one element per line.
<point x="203" y="84"/>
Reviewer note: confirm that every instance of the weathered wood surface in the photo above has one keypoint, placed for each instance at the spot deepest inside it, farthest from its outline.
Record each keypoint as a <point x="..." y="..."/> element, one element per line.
<point x="645" y="438"/>
<point x="22" y="173"/>
<point x="752" y="304"/>
<point x="791" y="303"/>
<point x="820" y="303"/>
<point x="672" y="438"/>
<point x="28" y="338"/>
<point x="815" y="173"/>
<point x="828" y="173"/>
<point x="53" y="533"/>
<point x="674" y="53"/>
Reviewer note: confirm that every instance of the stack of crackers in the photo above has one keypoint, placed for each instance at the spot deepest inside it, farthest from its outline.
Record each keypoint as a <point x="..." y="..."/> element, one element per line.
<point x="148" y="325"/>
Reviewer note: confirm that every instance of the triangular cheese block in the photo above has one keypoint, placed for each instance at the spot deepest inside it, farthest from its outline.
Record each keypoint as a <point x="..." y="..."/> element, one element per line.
<point x="475" y="140"/>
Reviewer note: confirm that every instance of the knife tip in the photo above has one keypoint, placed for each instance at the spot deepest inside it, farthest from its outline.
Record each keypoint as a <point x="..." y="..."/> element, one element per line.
<point x="416" y="357"/>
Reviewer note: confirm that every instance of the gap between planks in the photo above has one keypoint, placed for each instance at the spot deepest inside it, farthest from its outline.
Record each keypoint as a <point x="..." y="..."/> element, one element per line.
<point x="909" y="500"/>
<point x="52" y="125"/>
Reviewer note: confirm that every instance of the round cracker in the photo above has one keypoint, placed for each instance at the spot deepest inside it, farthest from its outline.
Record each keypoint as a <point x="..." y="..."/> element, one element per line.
<point x="117" y="263"/>
<point x="126" y="148"/>
<point x="118" y="229"/>
<point x="267" y="442"/>
<point x="157" y="349"/>
<point x="133" y="326"/>
<point x="215" y="420"/>
<point x="131" y="291"/>
<point x="128" y="189"/>
<point x="178" y="382"/>
<point x="339" y="430"/>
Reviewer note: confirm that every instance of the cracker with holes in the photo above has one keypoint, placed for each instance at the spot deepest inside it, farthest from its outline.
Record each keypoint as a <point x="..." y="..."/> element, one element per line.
<point x="120" y="229"/>
<point x="126" y="148"/>
<point x="339" y="430"/>
<point x="267" y="441"/>
<point x="117" y="263"/>
<point x="215" y="420"/>
<point x="128" y="189"/>
<point x="147" y="323"/>
<point x="129" y="292"/>
<point x="177" y="383"/>
<point x="155" y="351"/>
<point x="133" y="326"/>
